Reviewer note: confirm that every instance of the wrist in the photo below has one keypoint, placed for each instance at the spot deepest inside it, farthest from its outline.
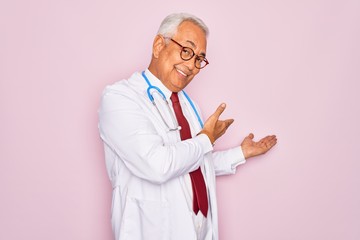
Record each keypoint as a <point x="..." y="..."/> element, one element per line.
<point x="247" y="154"/>
<point x="211" y="138"/>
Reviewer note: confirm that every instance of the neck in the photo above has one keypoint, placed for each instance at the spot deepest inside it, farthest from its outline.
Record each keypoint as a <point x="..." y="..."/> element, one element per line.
<point x="154" y="70"/>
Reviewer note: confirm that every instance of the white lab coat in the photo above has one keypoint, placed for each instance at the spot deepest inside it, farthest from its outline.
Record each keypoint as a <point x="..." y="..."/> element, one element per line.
<point x="148" y="165"/>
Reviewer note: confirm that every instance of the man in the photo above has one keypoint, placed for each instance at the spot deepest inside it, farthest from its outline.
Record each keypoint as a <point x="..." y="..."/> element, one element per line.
<point x="159" y="156"/>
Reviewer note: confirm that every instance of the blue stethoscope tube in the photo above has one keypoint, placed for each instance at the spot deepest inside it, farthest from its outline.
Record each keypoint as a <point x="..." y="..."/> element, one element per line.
<point x="158" y="90"/>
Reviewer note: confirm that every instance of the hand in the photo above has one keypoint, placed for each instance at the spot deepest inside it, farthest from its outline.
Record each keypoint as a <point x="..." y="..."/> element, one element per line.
<point x="252" y="149"/>
<point x="215" y="128"/>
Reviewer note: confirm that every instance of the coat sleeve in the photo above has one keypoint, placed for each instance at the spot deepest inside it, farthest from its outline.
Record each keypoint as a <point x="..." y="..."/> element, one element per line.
<point x="126" y="128"/>
<point x="225" y="162"/>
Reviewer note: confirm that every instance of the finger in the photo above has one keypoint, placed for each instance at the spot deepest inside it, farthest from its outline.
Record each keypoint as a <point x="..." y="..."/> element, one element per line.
<point x="219" y="110"/>
<point x="273" y="142"/>
<point x="228" y="122"/>
<point x="268" y="138"/>
<point x="270" y="143"/>
<point x="271" y="137"/>
<point x="251" y="136"/>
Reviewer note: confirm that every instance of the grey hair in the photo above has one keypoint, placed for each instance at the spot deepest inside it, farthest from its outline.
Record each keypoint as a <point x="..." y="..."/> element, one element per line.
<point x="170" y="24"/>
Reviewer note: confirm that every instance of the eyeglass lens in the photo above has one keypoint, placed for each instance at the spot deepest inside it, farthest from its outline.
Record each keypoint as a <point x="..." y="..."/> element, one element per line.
<point x="187" y="53"/>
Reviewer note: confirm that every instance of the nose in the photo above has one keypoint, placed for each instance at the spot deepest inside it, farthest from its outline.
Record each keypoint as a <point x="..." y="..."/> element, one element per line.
<point x="190" y="64"/>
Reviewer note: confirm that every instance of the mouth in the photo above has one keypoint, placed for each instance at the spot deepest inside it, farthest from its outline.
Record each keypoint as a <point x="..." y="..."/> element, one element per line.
<point x="182" y="73"/>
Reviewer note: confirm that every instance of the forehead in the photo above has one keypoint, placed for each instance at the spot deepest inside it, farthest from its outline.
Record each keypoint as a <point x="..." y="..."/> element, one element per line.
<point x="191" y="34"/>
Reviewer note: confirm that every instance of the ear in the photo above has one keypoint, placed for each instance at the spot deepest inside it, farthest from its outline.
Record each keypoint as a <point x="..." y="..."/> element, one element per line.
<point x="158" y="45"/>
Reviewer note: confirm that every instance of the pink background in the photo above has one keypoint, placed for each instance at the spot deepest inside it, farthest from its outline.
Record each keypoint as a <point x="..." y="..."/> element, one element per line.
<point x="290" y="68"/>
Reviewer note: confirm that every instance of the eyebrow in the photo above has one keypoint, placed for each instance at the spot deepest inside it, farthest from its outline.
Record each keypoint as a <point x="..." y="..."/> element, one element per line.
<point x="194" y="46"/>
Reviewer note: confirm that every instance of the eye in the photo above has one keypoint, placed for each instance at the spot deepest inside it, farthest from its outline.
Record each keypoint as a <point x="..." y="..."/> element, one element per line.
<point x="200" y="59"/>
<point x="187" y="51"/>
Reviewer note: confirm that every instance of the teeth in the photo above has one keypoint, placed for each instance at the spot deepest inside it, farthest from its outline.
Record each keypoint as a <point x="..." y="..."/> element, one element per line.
<point x="182" y="73"/>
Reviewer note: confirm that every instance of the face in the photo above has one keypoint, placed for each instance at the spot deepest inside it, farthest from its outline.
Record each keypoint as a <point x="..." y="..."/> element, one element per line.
<point x="167" y="64"/>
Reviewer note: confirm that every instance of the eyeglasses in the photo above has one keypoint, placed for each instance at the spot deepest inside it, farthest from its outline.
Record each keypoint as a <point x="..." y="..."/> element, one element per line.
<point x="187" y="53"/>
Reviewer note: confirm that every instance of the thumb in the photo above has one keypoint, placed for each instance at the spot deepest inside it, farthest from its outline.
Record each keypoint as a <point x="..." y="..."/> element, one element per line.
<point x="219" y="110"/>
<point x="251" y="136"/>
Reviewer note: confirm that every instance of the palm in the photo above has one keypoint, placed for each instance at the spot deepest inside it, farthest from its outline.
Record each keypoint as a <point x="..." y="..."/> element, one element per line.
<point x="252" y="148"/>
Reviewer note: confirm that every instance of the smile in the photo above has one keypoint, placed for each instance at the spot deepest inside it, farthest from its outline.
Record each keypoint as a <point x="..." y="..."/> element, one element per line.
<point x="181" y="72"/>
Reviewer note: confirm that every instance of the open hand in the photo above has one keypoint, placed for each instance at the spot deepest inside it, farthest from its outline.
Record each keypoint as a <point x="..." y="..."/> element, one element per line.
<point x="215" y="128"/>
<point x="251" y="148"/>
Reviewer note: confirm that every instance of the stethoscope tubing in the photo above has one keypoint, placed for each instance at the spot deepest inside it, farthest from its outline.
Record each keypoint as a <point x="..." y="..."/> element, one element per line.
<point x="158" y="90"/>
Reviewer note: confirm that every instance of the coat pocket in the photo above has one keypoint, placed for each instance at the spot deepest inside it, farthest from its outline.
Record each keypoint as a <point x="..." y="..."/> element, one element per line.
<point x="145" y="220"/>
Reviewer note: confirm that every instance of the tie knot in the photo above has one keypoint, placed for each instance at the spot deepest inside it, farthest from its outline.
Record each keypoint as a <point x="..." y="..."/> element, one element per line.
<point x="174" y="97"/>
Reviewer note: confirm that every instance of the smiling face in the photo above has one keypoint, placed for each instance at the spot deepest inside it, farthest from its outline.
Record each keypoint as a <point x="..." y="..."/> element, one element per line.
<point x="166" y="63"/>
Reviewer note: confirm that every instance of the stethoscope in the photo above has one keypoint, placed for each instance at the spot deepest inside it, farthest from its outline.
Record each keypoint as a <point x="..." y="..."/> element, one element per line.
<point x="150" y="91"/>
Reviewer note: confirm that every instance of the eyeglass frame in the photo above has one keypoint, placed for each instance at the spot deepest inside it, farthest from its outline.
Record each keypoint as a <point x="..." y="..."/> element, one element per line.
<point x="192" y="55"/>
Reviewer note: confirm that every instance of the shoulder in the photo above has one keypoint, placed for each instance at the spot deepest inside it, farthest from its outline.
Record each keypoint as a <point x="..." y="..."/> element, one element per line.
<point x="124" y="93"/>
<point x="125" y="86"/>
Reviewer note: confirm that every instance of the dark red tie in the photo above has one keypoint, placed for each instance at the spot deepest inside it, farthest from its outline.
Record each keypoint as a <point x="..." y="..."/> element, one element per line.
<point x="200" y="201"/>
